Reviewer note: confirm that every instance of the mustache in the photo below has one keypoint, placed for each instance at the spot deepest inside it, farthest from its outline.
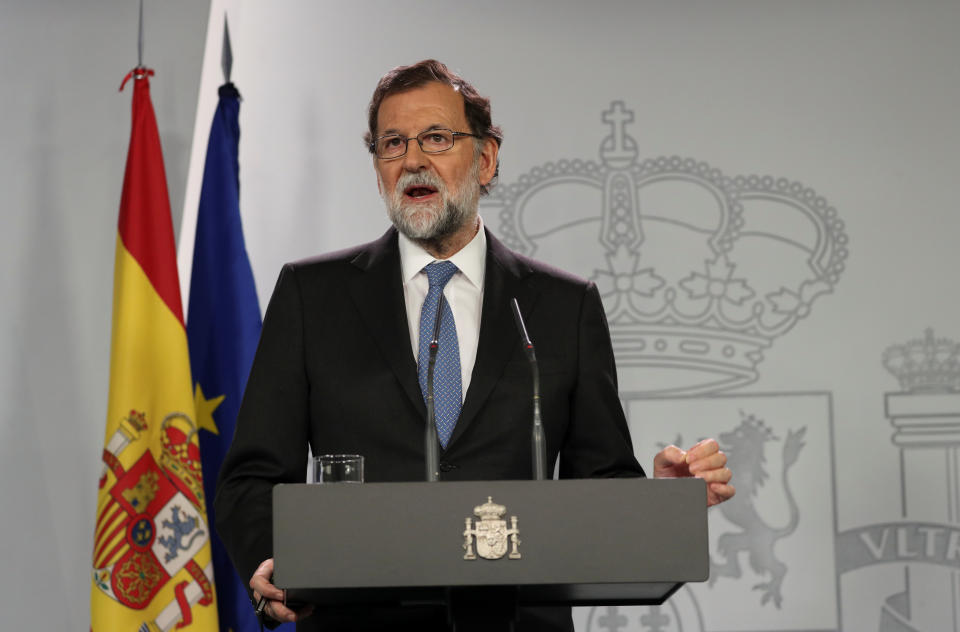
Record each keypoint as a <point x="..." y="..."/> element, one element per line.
<point x="419" y="179"/>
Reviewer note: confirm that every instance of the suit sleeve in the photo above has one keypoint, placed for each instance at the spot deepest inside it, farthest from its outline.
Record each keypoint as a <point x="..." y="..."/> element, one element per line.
<point x="597" y="442"/>
<point x="269" y="444"/>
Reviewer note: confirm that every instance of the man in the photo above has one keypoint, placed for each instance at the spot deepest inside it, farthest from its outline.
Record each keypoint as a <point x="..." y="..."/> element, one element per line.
<point x="344" y="334"/>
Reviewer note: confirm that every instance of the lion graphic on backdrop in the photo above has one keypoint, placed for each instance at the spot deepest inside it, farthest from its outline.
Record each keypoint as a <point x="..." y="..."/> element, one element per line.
<point x="745" y="453"/>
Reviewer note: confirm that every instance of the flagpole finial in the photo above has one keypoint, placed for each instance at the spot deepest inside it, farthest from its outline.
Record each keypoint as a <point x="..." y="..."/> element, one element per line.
<point x="141" y="71"/>
<point x="226" y="55"/>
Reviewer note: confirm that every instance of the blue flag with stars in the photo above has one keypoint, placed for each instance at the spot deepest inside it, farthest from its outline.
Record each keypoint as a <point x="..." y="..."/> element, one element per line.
<point x="223" y="327"/>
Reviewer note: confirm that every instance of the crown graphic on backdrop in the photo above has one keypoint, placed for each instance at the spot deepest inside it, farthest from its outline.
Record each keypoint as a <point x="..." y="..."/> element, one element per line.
<point x="925" y="365"/>
<point x="699" y="271"/>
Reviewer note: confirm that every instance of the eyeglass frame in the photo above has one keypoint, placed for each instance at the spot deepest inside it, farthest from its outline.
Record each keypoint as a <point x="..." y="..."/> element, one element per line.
<point x="406" y="142"/>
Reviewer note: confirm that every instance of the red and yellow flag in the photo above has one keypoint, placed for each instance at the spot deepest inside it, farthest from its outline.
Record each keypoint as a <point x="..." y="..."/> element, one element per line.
<point x="151" y="547"/>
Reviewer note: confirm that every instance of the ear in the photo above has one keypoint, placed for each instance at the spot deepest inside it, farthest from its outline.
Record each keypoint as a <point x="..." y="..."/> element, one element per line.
<point x="488" y="161"/>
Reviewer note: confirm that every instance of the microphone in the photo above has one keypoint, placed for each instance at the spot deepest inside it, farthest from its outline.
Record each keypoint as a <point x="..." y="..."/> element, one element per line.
<point x="430" y="436"/>
<point x="538" y="442"/>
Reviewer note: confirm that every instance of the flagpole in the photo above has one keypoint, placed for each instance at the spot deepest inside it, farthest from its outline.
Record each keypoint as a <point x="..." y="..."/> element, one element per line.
<point x="140" y="39"/>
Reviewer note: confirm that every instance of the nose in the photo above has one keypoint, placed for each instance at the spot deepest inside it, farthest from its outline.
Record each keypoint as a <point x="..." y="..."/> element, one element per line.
<point x="414" y="159"/>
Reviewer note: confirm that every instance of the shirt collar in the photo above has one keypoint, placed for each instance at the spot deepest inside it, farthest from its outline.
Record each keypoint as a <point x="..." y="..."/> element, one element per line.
<point x="471" y="260"/>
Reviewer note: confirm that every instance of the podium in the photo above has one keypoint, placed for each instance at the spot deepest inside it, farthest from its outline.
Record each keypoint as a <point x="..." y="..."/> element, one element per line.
<point x="569" y="542"/>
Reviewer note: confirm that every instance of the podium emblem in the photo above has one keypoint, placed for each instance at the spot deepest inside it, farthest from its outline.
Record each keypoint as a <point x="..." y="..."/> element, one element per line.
<point x="491" y="533"/>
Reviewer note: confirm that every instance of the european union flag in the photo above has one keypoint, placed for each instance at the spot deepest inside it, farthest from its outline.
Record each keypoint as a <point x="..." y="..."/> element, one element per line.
<point x="223" y="328"/>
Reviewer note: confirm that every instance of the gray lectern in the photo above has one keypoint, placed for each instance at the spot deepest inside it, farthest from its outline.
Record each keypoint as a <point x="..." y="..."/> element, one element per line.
<point x="574" y="542"/>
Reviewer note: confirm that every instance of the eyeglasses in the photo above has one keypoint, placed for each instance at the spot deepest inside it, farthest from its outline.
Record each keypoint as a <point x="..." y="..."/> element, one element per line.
<point x="432" y="141"/>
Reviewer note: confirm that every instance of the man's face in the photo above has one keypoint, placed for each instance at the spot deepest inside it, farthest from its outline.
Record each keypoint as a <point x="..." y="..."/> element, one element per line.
<point x="429" y="196"/>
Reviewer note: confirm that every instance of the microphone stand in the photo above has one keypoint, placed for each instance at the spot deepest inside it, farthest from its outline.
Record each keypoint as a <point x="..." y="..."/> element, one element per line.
<point x="538" y="442"/>
<point x="430" y="435"/>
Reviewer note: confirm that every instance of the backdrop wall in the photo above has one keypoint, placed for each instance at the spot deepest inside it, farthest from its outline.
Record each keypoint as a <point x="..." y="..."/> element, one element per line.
<point x="756" y="310"/>
<point x="761" y="192"/>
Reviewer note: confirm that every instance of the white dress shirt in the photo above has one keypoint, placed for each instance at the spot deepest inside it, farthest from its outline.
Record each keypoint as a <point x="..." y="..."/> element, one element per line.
<point x="463" y="292"/>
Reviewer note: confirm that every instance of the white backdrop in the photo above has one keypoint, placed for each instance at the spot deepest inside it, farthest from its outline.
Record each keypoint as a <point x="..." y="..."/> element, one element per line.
<point x="849" y="107"/>
<point x="855" y="100"/>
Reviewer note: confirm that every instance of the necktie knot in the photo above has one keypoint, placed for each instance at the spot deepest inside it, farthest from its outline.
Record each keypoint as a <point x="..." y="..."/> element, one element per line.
<point x="439" y="272"/>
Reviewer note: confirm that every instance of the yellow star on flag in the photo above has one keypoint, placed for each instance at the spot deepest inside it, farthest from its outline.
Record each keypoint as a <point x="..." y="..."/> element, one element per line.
<point x="205" y="408"/>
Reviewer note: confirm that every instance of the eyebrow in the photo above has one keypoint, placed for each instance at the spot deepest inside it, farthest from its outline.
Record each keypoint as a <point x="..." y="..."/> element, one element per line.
<point x="433" y="126"/>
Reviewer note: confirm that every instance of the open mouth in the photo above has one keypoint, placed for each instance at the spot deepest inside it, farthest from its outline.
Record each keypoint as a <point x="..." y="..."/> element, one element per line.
<point x="419" y="192"/>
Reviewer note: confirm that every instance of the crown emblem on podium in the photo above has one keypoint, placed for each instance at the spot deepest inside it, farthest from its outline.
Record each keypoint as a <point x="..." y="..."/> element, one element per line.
<point x="925" y="365"/>
<point x="699" y="272"/>
<point x="489" y="510"/>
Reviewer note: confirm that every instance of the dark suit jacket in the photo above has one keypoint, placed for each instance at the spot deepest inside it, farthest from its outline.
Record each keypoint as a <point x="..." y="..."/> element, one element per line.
<point x="335" y="369"/>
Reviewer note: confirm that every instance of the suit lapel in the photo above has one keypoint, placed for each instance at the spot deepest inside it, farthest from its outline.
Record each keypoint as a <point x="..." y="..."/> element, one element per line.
<point x="378" y="295"/>
<point x="503" y="281"/>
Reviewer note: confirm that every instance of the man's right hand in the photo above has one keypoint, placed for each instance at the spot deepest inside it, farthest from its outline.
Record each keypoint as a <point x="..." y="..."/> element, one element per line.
<point x="275" y="607"/>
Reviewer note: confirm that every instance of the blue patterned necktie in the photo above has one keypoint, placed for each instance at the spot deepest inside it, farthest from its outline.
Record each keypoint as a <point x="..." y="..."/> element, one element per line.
<point x="447" y="387"/>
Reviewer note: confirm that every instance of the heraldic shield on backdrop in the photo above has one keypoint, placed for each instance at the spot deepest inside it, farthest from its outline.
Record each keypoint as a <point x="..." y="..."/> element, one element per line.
<point x="700" y="272"/>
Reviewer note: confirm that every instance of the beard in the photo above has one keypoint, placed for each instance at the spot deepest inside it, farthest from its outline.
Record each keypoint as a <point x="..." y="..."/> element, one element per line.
<point x="439" y="218"/>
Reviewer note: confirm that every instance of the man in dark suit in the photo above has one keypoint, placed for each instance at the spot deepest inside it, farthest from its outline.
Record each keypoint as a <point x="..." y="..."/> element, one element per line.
<point x="341" y="359"/>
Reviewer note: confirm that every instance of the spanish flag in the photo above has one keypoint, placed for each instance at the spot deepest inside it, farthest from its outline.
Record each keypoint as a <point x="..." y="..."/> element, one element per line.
<point x="151" y="550"/>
